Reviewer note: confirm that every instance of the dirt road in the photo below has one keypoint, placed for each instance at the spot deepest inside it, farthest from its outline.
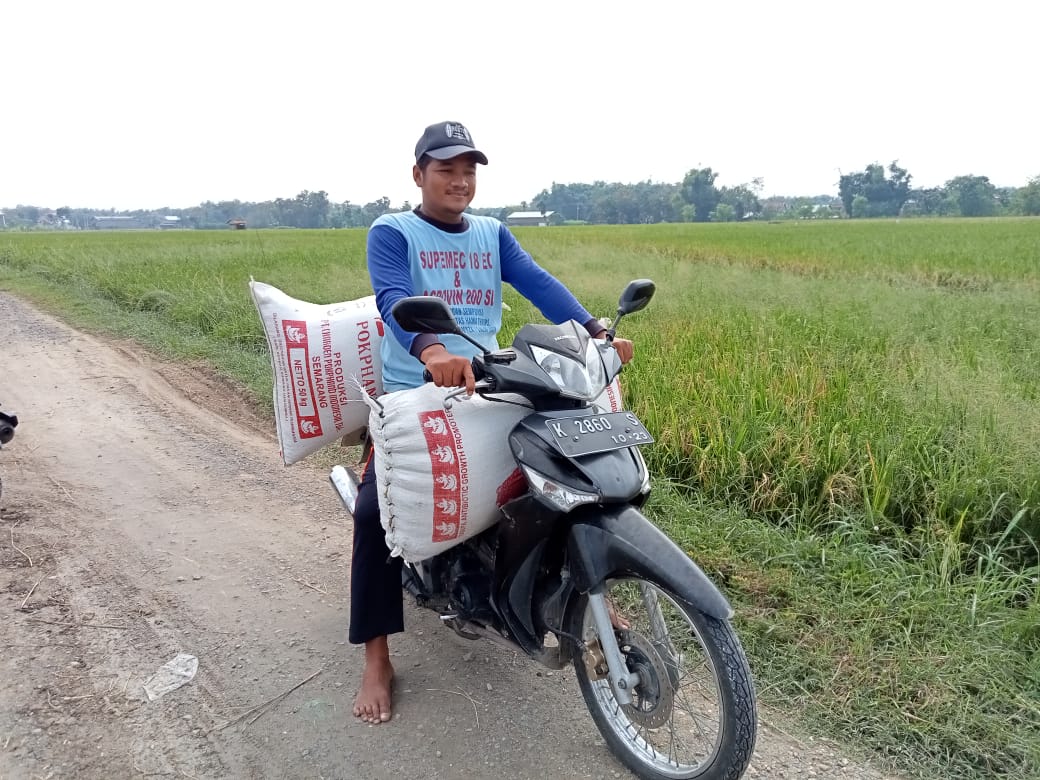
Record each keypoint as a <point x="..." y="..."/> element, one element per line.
<point x="146" y="513"/>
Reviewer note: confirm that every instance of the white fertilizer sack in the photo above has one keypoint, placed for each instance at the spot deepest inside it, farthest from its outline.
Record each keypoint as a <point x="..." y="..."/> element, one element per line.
<point x="325" y="360"/>
<point x="441" y="473"/>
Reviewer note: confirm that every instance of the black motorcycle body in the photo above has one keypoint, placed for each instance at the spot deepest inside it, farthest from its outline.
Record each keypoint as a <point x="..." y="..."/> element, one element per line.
<point x="541" y="579"/>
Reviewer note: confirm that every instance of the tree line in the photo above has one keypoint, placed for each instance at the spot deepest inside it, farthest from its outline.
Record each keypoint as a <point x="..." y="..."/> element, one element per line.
<point x="871" y="193"/>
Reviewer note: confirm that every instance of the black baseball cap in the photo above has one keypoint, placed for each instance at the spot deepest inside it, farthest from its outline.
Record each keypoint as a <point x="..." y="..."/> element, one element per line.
<point x="445" y="140"/>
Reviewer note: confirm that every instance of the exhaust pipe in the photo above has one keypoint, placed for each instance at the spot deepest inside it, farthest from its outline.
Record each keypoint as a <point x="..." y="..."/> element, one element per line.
<point x="346" y="485"/>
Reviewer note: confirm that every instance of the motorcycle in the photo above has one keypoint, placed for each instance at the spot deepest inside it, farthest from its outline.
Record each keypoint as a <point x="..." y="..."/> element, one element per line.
<point x="8" y="422"/>
<point x="574" y="573"/>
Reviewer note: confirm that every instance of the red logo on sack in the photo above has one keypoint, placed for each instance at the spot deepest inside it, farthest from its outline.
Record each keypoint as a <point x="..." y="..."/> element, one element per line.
<point x="308" y="423"/>
<point x="448" y="463"/>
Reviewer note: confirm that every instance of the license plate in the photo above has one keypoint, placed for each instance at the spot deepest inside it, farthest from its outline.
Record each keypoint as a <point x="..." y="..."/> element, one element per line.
<point x="594" y="433"/>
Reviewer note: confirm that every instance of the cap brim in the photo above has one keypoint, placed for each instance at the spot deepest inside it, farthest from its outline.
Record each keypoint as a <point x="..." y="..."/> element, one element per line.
<point x="448" y="152"/>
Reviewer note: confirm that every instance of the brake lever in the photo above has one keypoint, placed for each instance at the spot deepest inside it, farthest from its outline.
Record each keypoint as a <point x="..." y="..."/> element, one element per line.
<point x="483" y="384"/>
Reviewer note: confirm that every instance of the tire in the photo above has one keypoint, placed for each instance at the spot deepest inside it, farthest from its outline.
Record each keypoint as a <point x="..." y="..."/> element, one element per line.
<point x="693" y="712"/>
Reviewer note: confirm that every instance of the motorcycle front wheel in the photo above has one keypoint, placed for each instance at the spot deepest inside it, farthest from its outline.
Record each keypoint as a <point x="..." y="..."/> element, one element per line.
<point x="693" y="711"/>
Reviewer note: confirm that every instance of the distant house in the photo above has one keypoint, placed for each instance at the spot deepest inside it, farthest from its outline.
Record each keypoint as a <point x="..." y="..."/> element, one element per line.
<point x="237" y="224"/>
<point x="170" y="222"/>
<point x="535" y="218"/>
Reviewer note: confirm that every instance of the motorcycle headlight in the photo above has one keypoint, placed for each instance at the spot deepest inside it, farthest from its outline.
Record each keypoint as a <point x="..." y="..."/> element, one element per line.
<point x="560" y="496"/>
<point x="573" y="379"/>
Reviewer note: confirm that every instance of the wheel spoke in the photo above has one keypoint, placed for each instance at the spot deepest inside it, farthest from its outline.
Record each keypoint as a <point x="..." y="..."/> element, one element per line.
<point x="675" y="723"/>
<point x="697" y="721"/>
<point x="677" y="738"/>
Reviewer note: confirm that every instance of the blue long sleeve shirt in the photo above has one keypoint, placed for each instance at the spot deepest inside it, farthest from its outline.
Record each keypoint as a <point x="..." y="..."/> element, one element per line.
<point x="465" y="265"/>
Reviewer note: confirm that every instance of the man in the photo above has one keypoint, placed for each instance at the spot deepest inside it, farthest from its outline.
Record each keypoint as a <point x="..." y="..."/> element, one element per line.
<point x="437" y="249"/>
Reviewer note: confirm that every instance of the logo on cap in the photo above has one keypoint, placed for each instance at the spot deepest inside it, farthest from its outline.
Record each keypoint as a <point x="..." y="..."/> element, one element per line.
<point x="457" y="131"/>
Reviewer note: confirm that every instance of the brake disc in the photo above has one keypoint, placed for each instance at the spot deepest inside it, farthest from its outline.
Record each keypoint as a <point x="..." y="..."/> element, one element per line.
<point x="653" y="697"/>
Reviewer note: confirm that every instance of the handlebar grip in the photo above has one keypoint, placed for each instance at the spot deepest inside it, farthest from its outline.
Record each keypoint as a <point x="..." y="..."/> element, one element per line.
<point x="478" y="372"/>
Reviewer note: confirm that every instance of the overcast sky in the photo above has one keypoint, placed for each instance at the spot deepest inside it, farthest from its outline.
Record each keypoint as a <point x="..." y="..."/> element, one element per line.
<point x="145" y="104"/>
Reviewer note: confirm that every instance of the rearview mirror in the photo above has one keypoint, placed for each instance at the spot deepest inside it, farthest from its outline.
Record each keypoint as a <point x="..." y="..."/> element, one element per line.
<point x="636" y="296"/>
<point x="425" y="314"/>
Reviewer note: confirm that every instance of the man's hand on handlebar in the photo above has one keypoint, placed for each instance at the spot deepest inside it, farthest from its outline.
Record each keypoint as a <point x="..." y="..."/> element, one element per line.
<point x="625" y="349"/>
<point x="448" y="370"/>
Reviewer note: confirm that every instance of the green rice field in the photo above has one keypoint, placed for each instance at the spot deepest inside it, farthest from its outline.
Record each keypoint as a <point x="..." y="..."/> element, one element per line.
<point x="847" y="417"/>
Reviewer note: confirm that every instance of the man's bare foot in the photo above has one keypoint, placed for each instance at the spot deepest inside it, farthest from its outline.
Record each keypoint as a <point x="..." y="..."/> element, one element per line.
<point x="372" y="704"/>
<point x="617" y="621"/>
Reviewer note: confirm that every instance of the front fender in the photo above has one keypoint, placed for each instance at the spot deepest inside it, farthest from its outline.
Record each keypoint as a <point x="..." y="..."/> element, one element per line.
<point x="610" y="541"/>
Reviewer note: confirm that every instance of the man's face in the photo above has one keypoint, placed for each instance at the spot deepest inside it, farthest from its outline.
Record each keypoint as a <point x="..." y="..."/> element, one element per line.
<point x="448" y="187"/>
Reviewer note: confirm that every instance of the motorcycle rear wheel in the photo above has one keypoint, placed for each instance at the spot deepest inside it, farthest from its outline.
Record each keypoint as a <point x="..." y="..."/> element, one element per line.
<point x="693" y="712"/>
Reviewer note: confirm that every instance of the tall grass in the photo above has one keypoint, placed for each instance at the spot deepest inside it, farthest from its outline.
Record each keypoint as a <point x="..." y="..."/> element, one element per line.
<point x="847" y="427"/>
<point x="822" y="384"/>
<point x="904" y="649"/>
